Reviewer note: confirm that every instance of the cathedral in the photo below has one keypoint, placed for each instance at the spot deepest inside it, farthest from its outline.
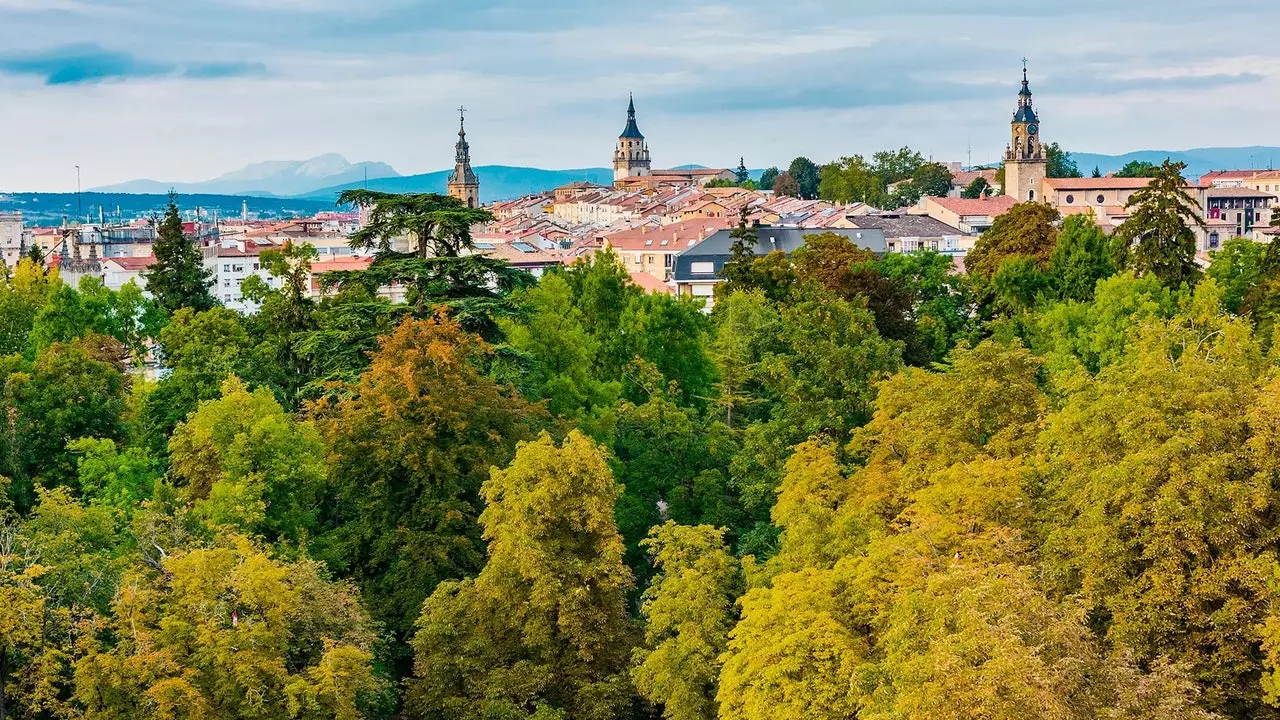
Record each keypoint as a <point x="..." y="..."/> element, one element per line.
<point x="1025" y="164"/>
<point x="631" y="159"/>
<point x="463" y="183"/>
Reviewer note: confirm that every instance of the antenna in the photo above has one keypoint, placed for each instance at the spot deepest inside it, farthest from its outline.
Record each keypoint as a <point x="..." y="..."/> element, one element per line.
<point x="79" y="198"/>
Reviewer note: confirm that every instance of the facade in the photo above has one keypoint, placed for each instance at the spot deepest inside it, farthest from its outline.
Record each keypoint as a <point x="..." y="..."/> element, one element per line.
<point x="631" y="158"/>
<point x="1025" y="164"/>
<point x="653" y="250"/>
<point x="697" y="270"/>
<point x="916" y="233"/>
<point x="969" y="217"/>
<point x="11" y="238"/>
<point x="463" y="183"/>
<point x="1243" y="212"/>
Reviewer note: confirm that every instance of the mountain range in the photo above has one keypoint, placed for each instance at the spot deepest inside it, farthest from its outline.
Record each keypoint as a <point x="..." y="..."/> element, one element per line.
<point x="325" y="177"/>
<point x="277" y="178"/>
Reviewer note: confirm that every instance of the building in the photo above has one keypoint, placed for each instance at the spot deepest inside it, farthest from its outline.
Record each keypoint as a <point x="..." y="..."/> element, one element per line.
<point x="697" y="269"/>
<point x="11" y="238"/>
<point x="653" y="250"/>
<point x="1244" y="210"/>
<point x="969" y="217"/>
<point x="631" y="159"/>
<point x="1025" y="164"/>
<point x="915" y="233"/>
<point x="463" y="183"/>
<point x="120" y="271"/>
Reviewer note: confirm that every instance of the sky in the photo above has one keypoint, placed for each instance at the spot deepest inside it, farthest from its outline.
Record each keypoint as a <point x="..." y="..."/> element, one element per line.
<point x="185" y="90"/>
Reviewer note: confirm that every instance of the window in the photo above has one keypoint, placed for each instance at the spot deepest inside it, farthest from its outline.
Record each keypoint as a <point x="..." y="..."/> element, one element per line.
<point x="702" y="268"/>
<point x="226" y="283"/>
<point x="256" y="267"/>
<point x="1031" y="195"/>
<point x="1071" y="199"/>
<point x="1213" y="240"/>
<point x="237" y="268"/>
<point x="226" y="268"/>
<point x="1102" y="199"/>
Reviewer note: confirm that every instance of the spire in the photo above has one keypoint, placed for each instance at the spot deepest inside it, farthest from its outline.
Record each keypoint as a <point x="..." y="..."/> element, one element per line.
<point x="1026" y="84"/>
<point x="463" y="148"/>
<point x="632" y="131"/>
<point x="1025" y="113"/>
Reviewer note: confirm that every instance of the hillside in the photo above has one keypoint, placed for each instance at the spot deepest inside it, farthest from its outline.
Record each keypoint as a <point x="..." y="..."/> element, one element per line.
<point x="1199" y="160"/>
<point x="497" y="182"/>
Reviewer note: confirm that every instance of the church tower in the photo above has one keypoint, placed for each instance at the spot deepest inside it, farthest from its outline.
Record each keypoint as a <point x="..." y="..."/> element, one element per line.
<point x="1025" y="164"/>
<point x="463" y="183"/>
<point x="631" y="159"/>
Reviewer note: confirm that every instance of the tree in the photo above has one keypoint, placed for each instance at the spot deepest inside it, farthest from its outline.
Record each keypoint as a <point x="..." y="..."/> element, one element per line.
<point x="769" y="177"/>
<point x="442" y="268"/>
<point x="850" y="180"/>
<point x="1158" y="237"/>
<point x="285" y="318"/>
<point x="689" y="609"/>
<point x="979" y="188"/>
<point x="178" y="278"/>
<point x="1060" y="164"/>
<point x="1238" y="267"/>
<point x="242" y="463"/>
<point x="742" y="175"/>
<point x="1097" y="172"/>
<point x="1027" y="229"/>
<point x="1081" y="258"/>
<point x="1138" y="169"/>
<point x="542" y="631"/>
<point x="932" y="179"/>
<point x="226" y="631"/>
<point x="786" y="185"/>
<point x="409" y="446"/>
<point x="806" y="175"/>
<point x="738" y="270"/>
<point x="23" y="293"/>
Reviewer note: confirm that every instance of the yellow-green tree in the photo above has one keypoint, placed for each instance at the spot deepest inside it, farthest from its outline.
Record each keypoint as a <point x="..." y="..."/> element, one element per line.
<point x="543" y="630"/>
<point x="227" y="632"/>
<point x="689" y="608"/>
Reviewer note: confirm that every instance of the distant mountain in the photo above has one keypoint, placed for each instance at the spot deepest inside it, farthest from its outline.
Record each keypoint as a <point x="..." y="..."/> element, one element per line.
<point x="286" y="178"/>
<point x="497" y="182"/>
<point x="1199" y="160"/>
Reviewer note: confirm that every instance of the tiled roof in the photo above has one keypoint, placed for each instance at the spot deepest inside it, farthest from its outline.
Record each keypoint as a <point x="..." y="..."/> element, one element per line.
<point x="964" y="207"/>
<point x="650" y="284"/>
<point x="899" y="226"/>
<point x="132" y="264"/>
<point x="1236" y="192"/>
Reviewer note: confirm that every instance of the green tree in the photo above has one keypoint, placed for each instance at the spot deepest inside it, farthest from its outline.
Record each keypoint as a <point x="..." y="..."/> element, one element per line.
<point x="1028" y="229"/>
<point x="1097" y="172"/>
<point x="285" y="319"/>
<point x="741" y="174"/>
<point x="543" y="630"/>
<point x="1081" y="258"/>
<point x="1138" y="169"/>
<point x="242" y="463"/>
<point x="1238" y="267"/>
<point x="1060" y="164"/>
<point x="178" y="278"/>
<point x="850" y="180"/>
<point x="979" y="188"/>
<point x="806" y="175"/>
<point x="769" y="177"/>
<point x="1157" y="238"/>
<point x="738" y="270"/>
<point x="689" y="609"/>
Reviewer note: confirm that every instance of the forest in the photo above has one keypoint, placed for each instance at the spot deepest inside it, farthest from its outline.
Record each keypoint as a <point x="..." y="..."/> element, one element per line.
<point x="873" y="487"/>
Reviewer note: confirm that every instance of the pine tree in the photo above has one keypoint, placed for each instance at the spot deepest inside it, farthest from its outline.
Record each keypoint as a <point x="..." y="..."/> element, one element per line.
<point x="742" y="173"/>
<point x="178" y="279"/>
<point x="1158" y="237"/>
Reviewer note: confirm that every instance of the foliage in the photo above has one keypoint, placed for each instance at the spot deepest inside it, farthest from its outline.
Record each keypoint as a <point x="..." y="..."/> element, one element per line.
<point x="786" y="185"/>
<point x="1027" y="230"/>
<point x="178" y="278"/>
<point x="1138" y="169"/>
<point x="1158" y="237"/>
<point x="1060" y="164"/>
<point x="979" y="188"/>
<point x="1237" y="267"/>
<point x="1080" y="259"/>
<point x="806" y="175"/>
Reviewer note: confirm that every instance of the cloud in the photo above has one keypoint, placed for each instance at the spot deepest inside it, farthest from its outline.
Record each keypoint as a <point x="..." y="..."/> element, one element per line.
<point x="91" y="64"/>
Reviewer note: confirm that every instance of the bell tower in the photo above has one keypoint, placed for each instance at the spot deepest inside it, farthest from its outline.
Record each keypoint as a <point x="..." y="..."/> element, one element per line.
<point x="1025" y="164"/>
<point x="631" y="159"/>
<point x="463" y="183"/>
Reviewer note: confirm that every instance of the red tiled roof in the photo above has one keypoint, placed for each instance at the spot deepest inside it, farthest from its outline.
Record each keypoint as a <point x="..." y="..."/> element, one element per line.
<point x="677" y="236"/>
<point x="964" y="207"/>
<point x="133" y="264"/>
<point x="650" y="284"/>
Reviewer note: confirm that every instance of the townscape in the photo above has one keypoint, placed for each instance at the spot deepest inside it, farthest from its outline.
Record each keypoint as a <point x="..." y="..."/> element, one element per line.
<point x="884" y="438"/>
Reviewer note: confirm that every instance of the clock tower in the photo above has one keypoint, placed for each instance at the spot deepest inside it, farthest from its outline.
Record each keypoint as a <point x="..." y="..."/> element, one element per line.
<point x="1025" y="164"/>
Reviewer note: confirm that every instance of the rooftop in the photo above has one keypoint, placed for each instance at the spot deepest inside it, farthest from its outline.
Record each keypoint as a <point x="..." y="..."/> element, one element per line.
<point x="988" y="207"/>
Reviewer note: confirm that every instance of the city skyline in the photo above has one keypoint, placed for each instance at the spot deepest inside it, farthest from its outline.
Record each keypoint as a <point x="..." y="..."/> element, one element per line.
<point x="127" y="91"/>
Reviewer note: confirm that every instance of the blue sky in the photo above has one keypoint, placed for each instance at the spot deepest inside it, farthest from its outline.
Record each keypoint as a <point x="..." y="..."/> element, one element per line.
<point x="183" y="91"/>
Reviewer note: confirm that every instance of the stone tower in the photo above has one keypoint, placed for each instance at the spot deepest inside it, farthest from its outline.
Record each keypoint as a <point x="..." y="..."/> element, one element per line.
<point x="463" y="183"/>
<point x="1025" y="164"/>
<point x="631" y="159"/>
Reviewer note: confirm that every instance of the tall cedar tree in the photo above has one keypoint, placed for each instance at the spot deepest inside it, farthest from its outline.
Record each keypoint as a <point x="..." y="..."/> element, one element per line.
<point x="742" y="255"/>
<point x="1158" y="237"/>
<point x="178" y="279"/>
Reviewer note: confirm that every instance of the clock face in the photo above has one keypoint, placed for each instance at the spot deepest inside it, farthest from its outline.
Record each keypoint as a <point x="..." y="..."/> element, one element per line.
<point x="1033" y="129"/>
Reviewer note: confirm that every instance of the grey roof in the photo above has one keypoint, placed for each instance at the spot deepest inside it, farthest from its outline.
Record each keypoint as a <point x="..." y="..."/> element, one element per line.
<point x="632" y="131"/>
<point x="1025" y="115"/>
<point x="717" y="248"/>
<point x="909" y="226"/>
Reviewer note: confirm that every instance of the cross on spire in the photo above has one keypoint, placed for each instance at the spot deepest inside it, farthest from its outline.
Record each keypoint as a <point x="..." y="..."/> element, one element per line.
<point x="462" y="114"/>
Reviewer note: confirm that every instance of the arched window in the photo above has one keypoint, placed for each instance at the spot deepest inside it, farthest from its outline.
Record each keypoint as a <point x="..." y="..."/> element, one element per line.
<point x="1031" y="195"/>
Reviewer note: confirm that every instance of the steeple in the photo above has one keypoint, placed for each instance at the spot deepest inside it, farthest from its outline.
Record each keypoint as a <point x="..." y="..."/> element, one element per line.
<point x="1025" y="164"/>
<point x="631" y="158"/>
<point x="463" y="183"/>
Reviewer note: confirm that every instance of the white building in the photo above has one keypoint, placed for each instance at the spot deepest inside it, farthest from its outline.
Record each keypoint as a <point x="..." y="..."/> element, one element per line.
<point x="11" y="230"/>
